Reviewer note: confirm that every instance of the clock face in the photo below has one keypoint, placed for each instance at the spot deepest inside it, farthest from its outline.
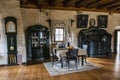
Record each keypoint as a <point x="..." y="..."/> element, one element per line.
<point x="10" y="26"/>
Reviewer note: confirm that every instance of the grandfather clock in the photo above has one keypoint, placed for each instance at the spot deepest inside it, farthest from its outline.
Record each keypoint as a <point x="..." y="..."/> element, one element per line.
<point x="11" y="32"/>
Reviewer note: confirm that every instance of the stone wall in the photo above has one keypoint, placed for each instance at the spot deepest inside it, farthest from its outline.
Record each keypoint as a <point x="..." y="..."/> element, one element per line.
<point x="36" y="16"/>
<point x="11" y="8"/>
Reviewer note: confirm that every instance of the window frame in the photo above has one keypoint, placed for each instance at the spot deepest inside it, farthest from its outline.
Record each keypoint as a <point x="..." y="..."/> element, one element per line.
<point x="59" y="34"/>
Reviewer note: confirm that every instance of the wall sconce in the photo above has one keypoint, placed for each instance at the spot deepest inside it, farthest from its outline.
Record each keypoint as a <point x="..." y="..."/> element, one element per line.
<point x="70" y="39"/>
<point x="72" y="21"/>
<point x="49" y="21"/>
<point x="44" y="11"/>
<point x="79" y="12"/>
<point x="110" y="13"/>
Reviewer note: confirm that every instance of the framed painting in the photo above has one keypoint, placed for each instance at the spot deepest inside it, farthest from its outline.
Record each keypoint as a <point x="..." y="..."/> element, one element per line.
<point x="102" y="21"/>
<point x="82" y="21"/>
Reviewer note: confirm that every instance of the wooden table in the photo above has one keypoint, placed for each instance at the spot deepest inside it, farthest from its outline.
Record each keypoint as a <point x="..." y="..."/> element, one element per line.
<point x="82" y="54"/>
<point x="61" y="54"/>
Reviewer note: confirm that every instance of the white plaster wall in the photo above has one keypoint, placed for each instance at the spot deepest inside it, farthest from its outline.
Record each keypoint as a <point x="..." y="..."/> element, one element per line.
<point x="3" y="43"/>
<point x="34" y="16"/>
<point x="113" y="21"/>
<point x="11" y="8"/>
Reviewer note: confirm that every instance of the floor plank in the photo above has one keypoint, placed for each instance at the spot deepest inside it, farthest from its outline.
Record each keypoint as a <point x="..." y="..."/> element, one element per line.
<point x="38" y="72"/>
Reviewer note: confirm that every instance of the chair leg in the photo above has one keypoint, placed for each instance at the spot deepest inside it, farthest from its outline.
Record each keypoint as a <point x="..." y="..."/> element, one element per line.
<point x="78" y="60"/>
<point x="76" y="63"/>
<point x="52" y="62"/>
<point x="85" y="60"/>
<point x="82" y="60"/>
<point x="61" y="61"/>
<point x="68" y="64"/>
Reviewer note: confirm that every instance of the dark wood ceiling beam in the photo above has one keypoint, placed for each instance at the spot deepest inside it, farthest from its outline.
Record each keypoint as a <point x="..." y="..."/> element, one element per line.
<point x="91" y="3"/>
<point x="24" y="2"/>
<point x="28" y="3"/>
<point x="113" y="4"/>
<point x="99" y="3"/>
<point x="108" y="4"/>
<point x="78" y="3"/>
<point x="82" y="3"/>
<point x="94" y="4"/>
<point x="42" y="3"/>
<point x="71" y="3"/>
<point x="85" y="5"/>
<point x="33" y="2"/>
<point x="118" y="8"/>
<point x="79" y="9"/>
<point x="65" y="3"/>
<point x="105" y="2"/>
<point x="74" y="9"/>
<point x="59" y="3"/>
<point x="51" y="2"/>
<point x="114" y="7"/>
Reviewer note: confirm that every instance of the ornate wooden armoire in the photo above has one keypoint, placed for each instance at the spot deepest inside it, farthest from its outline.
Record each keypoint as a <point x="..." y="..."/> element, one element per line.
<point x="98" y="41"/>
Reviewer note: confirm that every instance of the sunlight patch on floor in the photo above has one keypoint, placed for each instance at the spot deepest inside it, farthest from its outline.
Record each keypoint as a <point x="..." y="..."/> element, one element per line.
<point x="117" y="64"/>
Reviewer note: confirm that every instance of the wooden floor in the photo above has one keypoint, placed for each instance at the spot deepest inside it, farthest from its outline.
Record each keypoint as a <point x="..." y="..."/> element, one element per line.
<point x="38" y="72"/>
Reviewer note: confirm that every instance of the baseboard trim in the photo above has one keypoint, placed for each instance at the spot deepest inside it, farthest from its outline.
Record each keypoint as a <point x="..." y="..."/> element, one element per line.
<point x="3" y="65"/>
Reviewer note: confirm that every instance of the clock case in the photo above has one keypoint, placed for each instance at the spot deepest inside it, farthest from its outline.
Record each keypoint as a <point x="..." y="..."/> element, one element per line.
<point x="11" y="41"/>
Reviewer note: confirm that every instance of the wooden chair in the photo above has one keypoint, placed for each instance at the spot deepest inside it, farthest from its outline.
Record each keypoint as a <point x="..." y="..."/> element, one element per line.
<point x="82" y="55"/>
<point x="54" y="56"/>
<point x="71" y="55"/>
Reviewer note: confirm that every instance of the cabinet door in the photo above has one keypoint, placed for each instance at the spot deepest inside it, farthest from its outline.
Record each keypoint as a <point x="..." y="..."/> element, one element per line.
<point x="37" y="39"/>
<point x="40" y="45"/>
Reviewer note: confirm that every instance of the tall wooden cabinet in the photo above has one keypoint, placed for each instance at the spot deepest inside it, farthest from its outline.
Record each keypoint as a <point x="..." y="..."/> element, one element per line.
<point x="37" y="43"/>
<point x="98" y="41"/>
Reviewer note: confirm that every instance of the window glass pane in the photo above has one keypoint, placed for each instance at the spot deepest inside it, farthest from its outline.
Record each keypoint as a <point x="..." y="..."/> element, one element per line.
<point x="59" y="34"/>
<point x="57" y="31"/>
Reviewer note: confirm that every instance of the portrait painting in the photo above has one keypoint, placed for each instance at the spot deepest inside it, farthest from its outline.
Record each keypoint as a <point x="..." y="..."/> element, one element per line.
<point x="82" y="21"/>
<point x="102" y="21"/>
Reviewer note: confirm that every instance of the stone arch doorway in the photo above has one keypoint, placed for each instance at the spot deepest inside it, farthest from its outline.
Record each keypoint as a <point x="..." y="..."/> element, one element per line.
<point x="37" y="44"/>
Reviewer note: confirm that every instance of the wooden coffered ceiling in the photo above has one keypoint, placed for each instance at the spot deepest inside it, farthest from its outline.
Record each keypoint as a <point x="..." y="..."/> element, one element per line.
<point x="77" y="5"/>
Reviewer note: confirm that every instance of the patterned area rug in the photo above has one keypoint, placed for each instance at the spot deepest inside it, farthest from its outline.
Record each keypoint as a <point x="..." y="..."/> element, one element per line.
<point x="57" y="70"/>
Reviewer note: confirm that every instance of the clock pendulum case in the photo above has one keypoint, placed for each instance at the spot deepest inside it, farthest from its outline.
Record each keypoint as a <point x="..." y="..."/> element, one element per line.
<point x="11" y="32"/>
